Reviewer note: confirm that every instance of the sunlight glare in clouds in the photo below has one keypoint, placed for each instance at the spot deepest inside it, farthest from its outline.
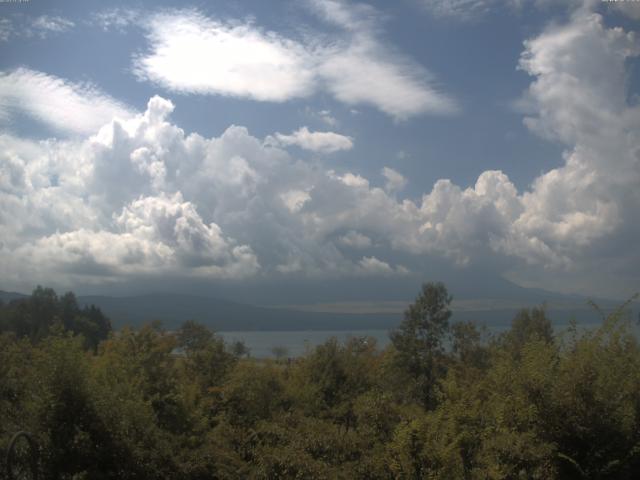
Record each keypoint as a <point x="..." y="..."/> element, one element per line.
<point x="195" y="54"/>
<point x="191" y="53"/>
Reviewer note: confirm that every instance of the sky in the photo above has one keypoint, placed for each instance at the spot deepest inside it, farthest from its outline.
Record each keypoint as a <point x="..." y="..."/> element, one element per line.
<point x="320" y="150"/>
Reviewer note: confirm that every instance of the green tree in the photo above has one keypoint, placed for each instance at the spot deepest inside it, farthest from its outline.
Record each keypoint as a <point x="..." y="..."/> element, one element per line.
<point x="206" y="358"/>
<point x="419" y="341"/>
<point x="36" y="317"/>
<point x="528" y="325"/>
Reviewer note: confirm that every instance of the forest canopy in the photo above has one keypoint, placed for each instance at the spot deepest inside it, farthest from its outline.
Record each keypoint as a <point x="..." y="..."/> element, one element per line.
<point x="444" y="400"/>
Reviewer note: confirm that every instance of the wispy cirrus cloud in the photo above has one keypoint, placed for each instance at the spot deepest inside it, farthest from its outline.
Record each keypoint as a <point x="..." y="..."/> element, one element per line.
<point x="43" y="26"/>
<point x="360" y="68"/>
<point x="6" y="29"/>
<point x="62" y="105"/>
<point x="461" y="9"/>
<point x="118" y="18"/>
<point x="192" y="53"/>
<point x="189" y="52"/>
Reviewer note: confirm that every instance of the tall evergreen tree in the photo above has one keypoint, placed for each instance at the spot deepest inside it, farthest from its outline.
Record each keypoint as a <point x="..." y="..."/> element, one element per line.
<point x="419" y="339"/>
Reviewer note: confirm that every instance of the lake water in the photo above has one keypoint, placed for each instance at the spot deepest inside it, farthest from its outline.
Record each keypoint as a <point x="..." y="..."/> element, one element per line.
<point x="297" y="343"/>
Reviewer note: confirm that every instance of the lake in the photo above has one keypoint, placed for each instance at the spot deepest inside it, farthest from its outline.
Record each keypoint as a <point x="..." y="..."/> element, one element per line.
<point x="261" y="343"/>
<point x="298" y="342"/>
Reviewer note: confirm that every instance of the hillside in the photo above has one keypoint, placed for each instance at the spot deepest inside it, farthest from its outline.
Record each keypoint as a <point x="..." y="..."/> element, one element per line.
<point x="223" y="315"/>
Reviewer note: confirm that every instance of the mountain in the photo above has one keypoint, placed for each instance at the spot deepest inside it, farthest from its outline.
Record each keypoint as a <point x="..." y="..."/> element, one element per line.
<point x="7" y="297"/>
<point x="222" y="315"/>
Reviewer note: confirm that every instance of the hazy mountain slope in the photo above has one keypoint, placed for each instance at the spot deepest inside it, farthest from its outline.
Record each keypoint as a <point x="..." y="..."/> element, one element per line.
<point x="223" y="315"/>
<point x="173" y="309"/>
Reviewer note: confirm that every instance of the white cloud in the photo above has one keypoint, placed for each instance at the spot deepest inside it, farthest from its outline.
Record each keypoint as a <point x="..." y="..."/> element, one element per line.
<point x="190" y="52"/>
<point x="44" y="25"/>
<point x="245" y="61"/>
<point x="321" y="142"/>
<point x="359" y="68"/>
<point x="295" y="199"/>
<point x="395" y="180"/>
<point x="471" y="10"/>
<point x="326" y="117"/>
<point x="461" y="9"/>
<point x="630" y="9"/>
<point x="351" y="180"/>
<point x="172" y="223"/>
<point x="26" y="27"/>
<point x="6" y="29"/>
<point x="355" y="240"/>
<point x="118" y="19"/>
<point x="235" y="206"/>
<point x="374" y="266"/>
<point x="62" y="105"/>
<point x="580" y="94"/>
<point x="156" y="236"/>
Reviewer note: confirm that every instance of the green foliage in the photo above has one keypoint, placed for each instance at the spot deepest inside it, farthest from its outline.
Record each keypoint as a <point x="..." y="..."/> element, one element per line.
<point x="419" y="341"/>
<point x="35" y="317"/>
<point x="528" y="325"/>
<point x="149" y="403"/>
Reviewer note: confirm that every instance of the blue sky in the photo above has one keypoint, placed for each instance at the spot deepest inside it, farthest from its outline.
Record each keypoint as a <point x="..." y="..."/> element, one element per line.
<point x="227" y="147"/>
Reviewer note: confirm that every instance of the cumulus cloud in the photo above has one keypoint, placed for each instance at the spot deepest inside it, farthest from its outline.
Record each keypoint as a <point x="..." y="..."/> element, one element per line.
<point x="578" y="209"/>
<point x="62" y="105"/>
<point x="159" y="236"/>
<point x="244" y="61"/>
<point x="321" y="142"/>
<point x="234" y="206"/>
<point x="630" y="9"/>
<point x="295" y="199"/>
<point x="326" y="117"/>
<point x="355" y="239"/>
<point x="58" y="220"/>
<point x="373" y="266"/>
<point x="395" y="180"/>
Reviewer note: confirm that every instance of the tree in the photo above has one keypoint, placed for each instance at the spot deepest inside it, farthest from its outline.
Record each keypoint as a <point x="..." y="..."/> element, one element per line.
<point x="39" y="315"/>
<point x="280" y="352"/>
<point x="528" y="325"/>
<point x="467" y="345"/>
<point x="419" y="339"/>
<point x="206" y="358"/>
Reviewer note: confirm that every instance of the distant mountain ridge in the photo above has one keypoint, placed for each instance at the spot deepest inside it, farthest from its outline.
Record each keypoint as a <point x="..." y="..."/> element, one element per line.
<point x="223" y="315"/>
<point x="9" y="296"/>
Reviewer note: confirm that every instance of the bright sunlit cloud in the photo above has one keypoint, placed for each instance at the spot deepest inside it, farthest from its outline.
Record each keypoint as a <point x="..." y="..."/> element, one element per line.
<point x="61" y="105"/>
<point x="118" y="195"/>
<point x="191" y="53"/>
<point x="321" y="142"/>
